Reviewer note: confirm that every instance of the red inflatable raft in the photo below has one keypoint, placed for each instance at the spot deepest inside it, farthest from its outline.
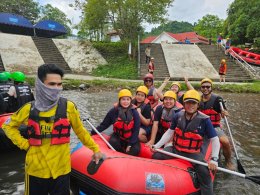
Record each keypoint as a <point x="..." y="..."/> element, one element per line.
<point x="249" y="57"/>
<point x="124" y="174"/>
<point x="5" y="143"/>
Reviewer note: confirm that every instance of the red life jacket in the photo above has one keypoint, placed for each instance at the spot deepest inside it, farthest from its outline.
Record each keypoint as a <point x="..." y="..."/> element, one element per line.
<point x="207" y="108"/>
<point x="60" y="133"/>
<point x="186" y="137"/>
<point x="166" y="118"/>
<point x="150" y="97"/>
<point x="222" y="69"/>
<point x="124" y="123"/>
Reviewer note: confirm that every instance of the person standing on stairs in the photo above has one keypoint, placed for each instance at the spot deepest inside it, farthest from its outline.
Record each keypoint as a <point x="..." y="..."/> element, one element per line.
<point x="219" y="40"/>
<point x="151" y="66"/>
<point x="222" y="71"/>
<point x="147" y="54"/>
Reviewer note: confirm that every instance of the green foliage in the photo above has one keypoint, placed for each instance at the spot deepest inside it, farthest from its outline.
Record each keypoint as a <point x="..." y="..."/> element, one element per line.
<point x="119" y="65"/>
<point x="52" y="13"/>
<point x="26" y="8"/>
<point x="127" y="15"/>
<point x="243" y="22"/>
<point x="209" y="26"/>
<point x="172" y="26"/>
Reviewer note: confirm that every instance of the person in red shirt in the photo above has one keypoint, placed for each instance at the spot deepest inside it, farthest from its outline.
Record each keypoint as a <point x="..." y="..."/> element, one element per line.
<point x="222" y="71"/>
<point x="151" y="66"/>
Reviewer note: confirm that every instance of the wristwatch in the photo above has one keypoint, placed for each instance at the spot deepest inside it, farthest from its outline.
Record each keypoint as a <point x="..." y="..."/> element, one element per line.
<point x="214" y="159"/>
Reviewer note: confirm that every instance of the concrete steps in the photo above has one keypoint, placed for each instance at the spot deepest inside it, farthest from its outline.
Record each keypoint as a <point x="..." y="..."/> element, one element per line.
<point x="2" y="68"/>
<point x="161" y="69"/>
<point x="235" y="73"/>
<point x="50" y="53"/>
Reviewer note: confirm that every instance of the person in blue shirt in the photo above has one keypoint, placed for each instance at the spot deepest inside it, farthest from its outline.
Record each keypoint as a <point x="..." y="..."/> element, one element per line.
<point x="126" y="124"/>
<point x="192" y="131"/>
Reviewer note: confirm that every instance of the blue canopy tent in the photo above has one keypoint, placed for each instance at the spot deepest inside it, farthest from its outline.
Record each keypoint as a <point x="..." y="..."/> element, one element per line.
<point x="15" y="24"/>
<point x="49" y="28"/>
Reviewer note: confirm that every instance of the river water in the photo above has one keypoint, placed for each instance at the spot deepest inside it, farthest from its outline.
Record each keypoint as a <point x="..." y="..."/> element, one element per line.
<point x="244" y="122"/>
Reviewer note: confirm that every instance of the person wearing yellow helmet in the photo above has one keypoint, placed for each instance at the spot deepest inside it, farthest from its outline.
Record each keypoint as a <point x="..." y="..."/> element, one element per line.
<point x="126" y="124"/>
<point x="50" y="119"/>
<point x="210" y="106"/>
<point x="20" y="93"/>
<point x="191" y="132"/>
<point x="162" y="116"/>
<point x="222" y="71"/>
<point x="143" y="108"/>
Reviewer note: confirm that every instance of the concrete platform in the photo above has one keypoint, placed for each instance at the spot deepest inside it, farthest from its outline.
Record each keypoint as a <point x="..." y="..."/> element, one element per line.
<point x="188" y="60"/>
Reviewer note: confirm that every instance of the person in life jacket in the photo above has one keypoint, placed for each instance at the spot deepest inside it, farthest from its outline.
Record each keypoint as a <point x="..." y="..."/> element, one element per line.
<point x="151" y="66"/>
<point x="126" y="124"/>
<point x="210" y="106"/>
<point x="222" y="71"/>
<point x="143" y="108"/>
<point x="154" y="95"/>
<point x="4" y="88"/>
<point x="163" y="116"/>
<point x="192" y="131"/>
<point x="20" y="93"/>
<point x="50" y="119"/>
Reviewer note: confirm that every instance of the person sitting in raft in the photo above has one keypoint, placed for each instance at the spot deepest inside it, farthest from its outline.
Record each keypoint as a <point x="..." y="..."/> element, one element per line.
<point x="126" y="125"/>
<point x="191" y="131"/>
<point x="154" y="95"/>
<point x="163" y="116"/>
<point x="143" y="108"/>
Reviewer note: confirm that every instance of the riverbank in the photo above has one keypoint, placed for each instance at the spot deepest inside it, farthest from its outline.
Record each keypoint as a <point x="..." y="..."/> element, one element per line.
<point x="96" y="84"/>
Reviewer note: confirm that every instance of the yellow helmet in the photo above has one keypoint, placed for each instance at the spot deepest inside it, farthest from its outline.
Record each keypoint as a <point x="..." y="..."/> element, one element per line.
<point x="223" y="61"/>
<point x="206" y="80"/>
<point x="170" y="94"/>
<point x="176" y="83"/>
<point x="124" y="93"/>
<point x="191" y="95"/>
<point x="143" y="89"/>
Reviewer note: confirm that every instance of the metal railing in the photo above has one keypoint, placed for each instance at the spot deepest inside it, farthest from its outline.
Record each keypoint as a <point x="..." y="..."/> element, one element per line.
<point x="239" y="60"/>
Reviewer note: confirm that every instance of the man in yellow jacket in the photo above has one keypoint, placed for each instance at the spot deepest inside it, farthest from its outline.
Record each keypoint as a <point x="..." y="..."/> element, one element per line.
<point x="49" y="120"/>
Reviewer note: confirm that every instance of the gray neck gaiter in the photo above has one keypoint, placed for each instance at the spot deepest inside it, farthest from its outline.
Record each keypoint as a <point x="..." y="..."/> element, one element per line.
<point x="46" y="98"/>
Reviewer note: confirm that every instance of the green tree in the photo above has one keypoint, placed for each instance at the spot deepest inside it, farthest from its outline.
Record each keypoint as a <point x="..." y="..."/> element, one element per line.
<point x="52" y="13"/>
<point x="209" y="26"/>
<point x="26" y="8"/>
<point x="172" y="26"/>
<point x="126" y="15"/>
<point x="243" y="21"/>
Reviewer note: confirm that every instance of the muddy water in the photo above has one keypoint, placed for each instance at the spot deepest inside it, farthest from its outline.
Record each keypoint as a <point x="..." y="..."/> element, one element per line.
<point x="244" y="121"/>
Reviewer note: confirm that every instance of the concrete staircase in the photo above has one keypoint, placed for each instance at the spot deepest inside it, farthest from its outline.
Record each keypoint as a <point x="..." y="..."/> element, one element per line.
<point x="161" y="69"/>
<point x="235" y="73"/>
<point x="2" y="68"/>
<point x="50" y="53"/>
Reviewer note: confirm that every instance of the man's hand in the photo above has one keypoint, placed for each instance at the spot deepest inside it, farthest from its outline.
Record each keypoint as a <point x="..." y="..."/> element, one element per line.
<point x="150" y="143"/>
<point x="97" y="156"/>
<point x="224" y="113"/>
<point x="213" y="165"/>
<point x="128" y="148"/>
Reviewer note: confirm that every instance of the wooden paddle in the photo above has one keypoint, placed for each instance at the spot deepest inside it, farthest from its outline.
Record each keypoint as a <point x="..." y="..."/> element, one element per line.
<point x="239" y="165"/>
<point x="255" y="179"/>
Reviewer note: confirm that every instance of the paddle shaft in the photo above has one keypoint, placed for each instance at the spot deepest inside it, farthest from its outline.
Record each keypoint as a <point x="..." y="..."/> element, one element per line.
<point x="229" y="130"/>
<point x="102" y="137"/>
<point x="200" y="163"/>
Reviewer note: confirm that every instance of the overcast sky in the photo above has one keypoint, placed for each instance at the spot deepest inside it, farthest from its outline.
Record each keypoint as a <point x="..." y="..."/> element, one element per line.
<point x="182" y="10"/>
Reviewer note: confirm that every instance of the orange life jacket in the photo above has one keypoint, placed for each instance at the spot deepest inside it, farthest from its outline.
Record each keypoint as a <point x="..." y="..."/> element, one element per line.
<point x="60" y="133"/>
<point x="124" y="123"/>
<point x="223" y="68"/>
<point x="207" y="108"/>
<point x="186" y="137"/>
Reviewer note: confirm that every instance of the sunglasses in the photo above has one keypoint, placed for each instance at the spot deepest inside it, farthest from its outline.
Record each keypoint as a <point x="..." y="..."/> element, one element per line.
<point x="148" y="80"/>
<point x="203" y="87"/>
